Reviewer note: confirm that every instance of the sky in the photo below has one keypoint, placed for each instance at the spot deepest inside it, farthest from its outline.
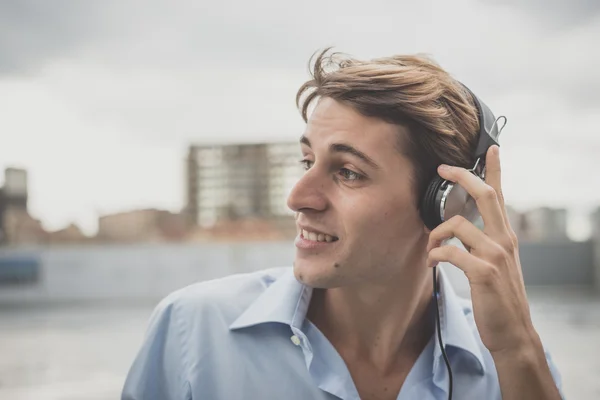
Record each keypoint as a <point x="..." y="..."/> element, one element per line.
<point x="100" y="100"/>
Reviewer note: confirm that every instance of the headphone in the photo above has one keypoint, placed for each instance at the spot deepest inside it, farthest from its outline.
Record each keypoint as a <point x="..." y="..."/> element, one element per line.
<point x="444" y="199"/>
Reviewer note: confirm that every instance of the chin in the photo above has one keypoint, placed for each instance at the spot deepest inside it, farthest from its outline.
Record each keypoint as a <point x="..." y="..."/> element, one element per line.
<point x="318" y="275"/>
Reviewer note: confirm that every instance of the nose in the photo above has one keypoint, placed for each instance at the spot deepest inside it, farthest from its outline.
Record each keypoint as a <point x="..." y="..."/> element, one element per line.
<point x="308" y="194"/>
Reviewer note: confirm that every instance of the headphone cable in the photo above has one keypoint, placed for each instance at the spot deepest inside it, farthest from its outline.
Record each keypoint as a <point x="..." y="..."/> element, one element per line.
<point x="436" y="293"/>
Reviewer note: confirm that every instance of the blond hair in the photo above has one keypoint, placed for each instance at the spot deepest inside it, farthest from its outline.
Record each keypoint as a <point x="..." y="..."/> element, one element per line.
<point x="412" y="91"/>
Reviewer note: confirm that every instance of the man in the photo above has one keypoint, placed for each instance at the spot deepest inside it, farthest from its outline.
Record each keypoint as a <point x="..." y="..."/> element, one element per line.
<point x="354" y="317"/>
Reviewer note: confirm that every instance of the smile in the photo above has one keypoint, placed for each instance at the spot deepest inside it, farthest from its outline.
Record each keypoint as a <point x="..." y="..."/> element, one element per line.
<point x="308" y="240"/>
<point x="317" y="237"/>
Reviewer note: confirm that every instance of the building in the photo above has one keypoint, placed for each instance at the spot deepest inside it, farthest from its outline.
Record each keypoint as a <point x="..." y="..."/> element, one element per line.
<point x="595" y="221"/>
<point x="16" y="225"/>
<point x="20" y="228"/>
<point x="241" y="181"/>
<point x="70" y="234"/>
<point x="545" y="224"/>
<point x="147" y="225"/>
<point x="518" y="222"/>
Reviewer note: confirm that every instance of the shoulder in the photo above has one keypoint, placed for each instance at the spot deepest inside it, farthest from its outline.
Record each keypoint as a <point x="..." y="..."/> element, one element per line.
<point x="180" y="328"/>
<point x="225" y="297"/>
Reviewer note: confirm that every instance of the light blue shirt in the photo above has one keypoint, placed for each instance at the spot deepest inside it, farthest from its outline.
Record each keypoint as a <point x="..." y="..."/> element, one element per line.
<point x="246" y="336"/>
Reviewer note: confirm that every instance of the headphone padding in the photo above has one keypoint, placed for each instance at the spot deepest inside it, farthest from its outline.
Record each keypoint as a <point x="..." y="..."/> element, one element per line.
<point x="429" y="208"/>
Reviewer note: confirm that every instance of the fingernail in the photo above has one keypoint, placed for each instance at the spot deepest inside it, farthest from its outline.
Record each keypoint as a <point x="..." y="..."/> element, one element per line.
<point x="445" y="167"/>
<point x="496" y="150"/>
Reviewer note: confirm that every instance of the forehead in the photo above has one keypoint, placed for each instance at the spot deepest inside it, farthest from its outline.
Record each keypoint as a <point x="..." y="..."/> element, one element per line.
<point x="335" y="122"/>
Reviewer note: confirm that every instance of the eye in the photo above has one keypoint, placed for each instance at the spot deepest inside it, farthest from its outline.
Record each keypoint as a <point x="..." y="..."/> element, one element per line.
<point x="350" y="175"/>
<point x="306" y="164"/>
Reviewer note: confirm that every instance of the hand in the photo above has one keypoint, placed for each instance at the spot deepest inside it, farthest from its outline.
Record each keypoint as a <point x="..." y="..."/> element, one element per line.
<point x="491" y="261"/>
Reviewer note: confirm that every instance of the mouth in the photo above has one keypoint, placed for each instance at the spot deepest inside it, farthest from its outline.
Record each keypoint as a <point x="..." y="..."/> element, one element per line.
<point x="317" y="236"/>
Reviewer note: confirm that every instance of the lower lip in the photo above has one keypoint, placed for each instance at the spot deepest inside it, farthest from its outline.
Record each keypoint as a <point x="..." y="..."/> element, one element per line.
<point x="303" y="243"/>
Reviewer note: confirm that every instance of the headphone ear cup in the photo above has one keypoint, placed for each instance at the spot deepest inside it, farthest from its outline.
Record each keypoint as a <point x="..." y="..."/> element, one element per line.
<point x="430" y="210"/>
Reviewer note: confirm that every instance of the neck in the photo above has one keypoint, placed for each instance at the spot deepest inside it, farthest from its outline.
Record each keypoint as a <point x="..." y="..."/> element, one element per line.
<point x="378" y="323"/>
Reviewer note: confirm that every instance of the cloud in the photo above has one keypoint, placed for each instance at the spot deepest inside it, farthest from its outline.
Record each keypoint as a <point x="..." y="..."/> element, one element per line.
<point x="496" y="45"/>
<point x="140" y="76"/>
<point x="33" y="33"/>
<point x="555" y="14"/>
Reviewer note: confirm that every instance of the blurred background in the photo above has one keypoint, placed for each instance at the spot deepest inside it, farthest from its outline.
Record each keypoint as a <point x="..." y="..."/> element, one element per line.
<point x="149" y="145"/>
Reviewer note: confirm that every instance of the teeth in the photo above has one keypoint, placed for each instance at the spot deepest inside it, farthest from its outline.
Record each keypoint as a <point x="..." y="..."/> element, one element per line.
<point x="317" y="237"/>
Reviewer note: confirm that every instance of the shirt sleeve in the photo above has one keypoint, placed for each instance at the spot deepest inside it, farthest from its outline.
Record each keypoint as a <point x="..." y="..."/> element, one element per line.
<point x="555" y="373"/>
<point x="158" y="371"/>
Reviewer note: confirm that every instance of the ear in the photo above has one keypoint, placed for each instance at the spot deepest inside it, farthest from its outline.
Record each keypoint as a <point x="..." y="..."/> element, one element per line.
<point x="426" y="230"/>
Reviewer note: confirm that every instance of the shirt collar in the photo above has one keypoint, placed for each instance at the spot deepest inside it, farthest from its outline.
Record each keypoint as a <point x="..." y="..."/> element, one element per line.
<point x="286" y="301"/>
<point x="456" y="330"/>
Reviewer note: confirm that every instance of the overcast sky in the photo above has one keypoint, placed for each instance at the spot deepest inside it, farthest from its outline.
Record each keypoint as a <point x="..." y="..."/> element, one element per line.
<point x="99" y="100"/>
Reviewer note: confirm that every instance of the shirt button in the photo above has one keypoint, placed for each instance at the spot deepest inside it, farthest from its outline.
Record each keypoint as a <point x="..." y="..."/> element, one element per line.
<point x="295" y="340"/>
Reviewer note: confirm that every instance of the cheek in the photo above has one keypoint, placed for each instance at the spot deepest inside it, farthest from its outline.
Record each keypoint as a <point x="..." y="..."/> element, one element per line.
<point x="394" y="217"/>
<point x="377" y="214"/>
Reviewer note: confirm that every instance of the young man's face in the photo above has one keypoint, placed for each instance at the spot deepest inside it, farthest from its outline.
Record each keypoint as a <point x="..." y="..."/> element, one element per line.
<point x="366" y="206"/>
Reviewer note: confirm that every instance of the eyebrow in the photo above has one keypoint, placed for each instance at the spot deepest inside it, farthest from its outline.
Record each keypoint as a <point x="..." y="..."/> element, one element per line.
<point x="345" y="148"/>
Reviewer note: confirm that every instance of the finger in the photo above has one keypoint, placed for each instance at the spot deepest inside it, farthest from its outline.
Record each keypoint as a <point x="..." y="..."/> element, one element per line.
<point x="453" y="255"/>
<point x="493" y="177"/>
<point x="459" y="227"/>
<point x="476" y="269"/>
<point x="484" y="195"/>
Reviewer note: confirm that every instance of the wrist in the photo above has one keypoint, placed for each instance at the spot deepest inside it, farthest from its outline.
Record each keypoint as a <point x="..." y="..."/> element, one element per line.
<point x="528" y="351"/>
<point x="523" y="371"/>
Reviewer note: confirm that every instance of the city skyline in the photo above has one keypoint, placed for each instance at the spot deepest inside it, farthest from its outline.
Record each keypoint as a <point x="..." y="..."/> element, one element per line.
<point x="100" y="102"/>
<point x="248" y="182"/>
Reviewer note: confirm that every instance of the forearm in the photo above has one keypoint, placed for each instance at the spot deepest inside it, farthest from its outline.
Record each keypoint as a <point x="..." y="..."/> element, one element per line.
<point x="525" y="374"/>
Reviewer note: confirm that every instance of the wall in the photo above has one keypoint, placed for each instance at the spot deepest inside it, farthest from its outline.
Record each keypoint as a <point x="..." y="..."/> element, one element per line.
<point x="558" y="263"/>
<point x="149" y="272"/>
<point x="137" y="272"/>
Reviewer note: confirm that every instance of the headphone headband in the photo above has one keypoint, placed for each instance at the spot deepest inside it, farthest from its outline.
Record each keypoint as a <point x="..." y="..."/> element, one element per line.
<point x="443" y="199"/>
<point x="488" y="128"/>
